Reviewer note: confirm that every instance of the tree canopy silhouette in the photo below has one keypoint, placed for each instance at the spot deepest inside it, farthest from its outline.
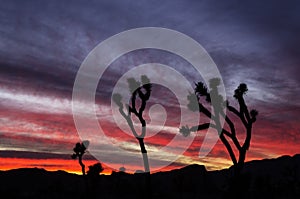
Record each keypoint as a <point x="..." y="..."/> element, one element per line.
<point x="217" y="110"/>
<point x="79" y="150"/>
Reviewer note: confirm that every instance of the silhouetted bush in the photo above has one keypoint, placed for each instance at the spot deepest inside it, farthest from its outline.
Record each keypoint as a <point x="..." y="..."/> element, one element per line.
<point x="95" y="170"/>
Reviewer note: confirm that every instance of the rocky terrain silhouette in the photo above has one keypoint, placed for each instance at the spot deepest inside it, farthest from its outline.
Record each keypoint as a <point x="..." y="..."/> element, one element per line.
<point x="269" y="178"/>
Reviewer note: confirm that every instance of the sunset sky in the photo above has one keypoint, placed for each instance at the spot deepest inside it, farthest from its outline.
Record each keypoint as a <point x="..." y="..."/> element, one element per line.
<point x="43" y="44"/>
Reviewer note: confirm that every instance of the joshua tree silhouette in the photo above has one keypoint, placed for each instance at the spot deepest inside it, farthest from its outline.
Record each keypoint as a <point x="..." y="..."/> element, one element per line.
<point x="247" y="118"/>
<point x="140" y="91"/>
<point x="79" y="150"/>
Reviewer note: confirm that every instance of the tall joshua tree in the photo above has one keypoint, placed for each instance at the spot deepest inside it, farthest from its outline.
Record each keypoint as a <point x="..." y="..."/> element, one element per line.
<point x="217" y="110"/>
<point x="140" y="91"/>
<point x="79" y="150"/>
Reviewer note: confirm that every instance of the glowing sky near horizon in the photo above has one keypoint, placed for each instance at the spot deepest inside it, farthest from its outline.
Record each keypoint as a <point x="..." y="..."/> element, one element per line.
<point x="43" y="44"/>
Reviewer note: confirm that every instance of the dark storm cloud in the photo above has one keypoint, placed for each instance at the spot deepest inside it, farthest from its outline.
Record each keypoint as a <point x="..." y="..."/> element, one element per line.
<point x="44" y="43"/>
<point x="48" y="41"/>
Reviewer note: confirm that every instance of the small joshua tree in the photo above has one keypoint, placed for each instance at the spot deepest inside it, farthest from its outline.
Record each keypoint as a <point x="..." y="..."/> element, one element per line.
<point x="79" y="150"/>
<point x="247" y="118"/>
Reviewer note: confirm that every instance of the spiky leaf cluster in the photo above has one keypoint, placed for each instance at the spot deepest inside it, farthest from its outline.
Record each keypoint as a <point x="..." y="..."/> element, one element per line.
<point x="185" y="131"/>
<point x="193" y="104"/>
<point x="79" y="150"/>
<point x="201" y="90"/>
<point x="240" y="91"/>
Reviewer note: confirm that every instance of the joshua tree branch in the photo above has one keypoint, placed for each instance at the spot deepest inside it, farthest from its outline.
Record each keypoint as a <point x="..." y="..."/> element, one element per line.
<point x="123" y="113"/>
<point x="233" y="110"/>
<point x="224" y="131"/>
<point x="139" y="114"/>
<point x="205" y="111"/>
<point x="246" y="144"/>
<point x="206" y="126"/>
<point x="229" y="149"/>
<point x="244" y="108"/>
<point x="229" y="122"/>
<point x="133" y="99"/>
<point x="237" y="113"/>
<point x="232" y="129"/>
<point x="200" y="127"/>
<point x="234" y="139"/>
<point x="81" y="164"/>
<point x="130" y="124"/>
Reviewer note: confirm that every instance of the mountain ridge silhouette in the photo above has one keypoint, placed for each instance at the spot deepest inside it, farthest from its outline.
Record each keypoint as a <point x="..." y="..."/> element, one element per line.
<point x="276" y="178"/>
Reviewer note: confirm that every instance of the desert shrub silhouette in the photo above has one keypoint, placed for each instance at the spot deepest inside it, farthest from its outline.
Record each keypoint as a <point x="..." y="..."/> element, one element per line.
<point x="122" y="169"/>
<point x="95" y="169"/>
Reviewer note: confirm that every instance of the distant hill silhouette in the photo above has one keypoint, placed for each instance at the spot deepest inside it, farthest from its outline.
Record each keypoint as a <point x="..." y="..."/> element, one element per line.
<point x="269" y="178"/>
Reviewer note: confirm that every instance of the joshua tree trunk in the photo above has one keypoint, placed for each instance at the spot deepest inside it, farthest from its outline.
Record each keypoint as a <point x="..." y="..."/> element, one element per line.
<point x="242" y="157"/>
<point x="82" y="165"/>
<point x="145" y="155"/>
<point x="146" y="167"/>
